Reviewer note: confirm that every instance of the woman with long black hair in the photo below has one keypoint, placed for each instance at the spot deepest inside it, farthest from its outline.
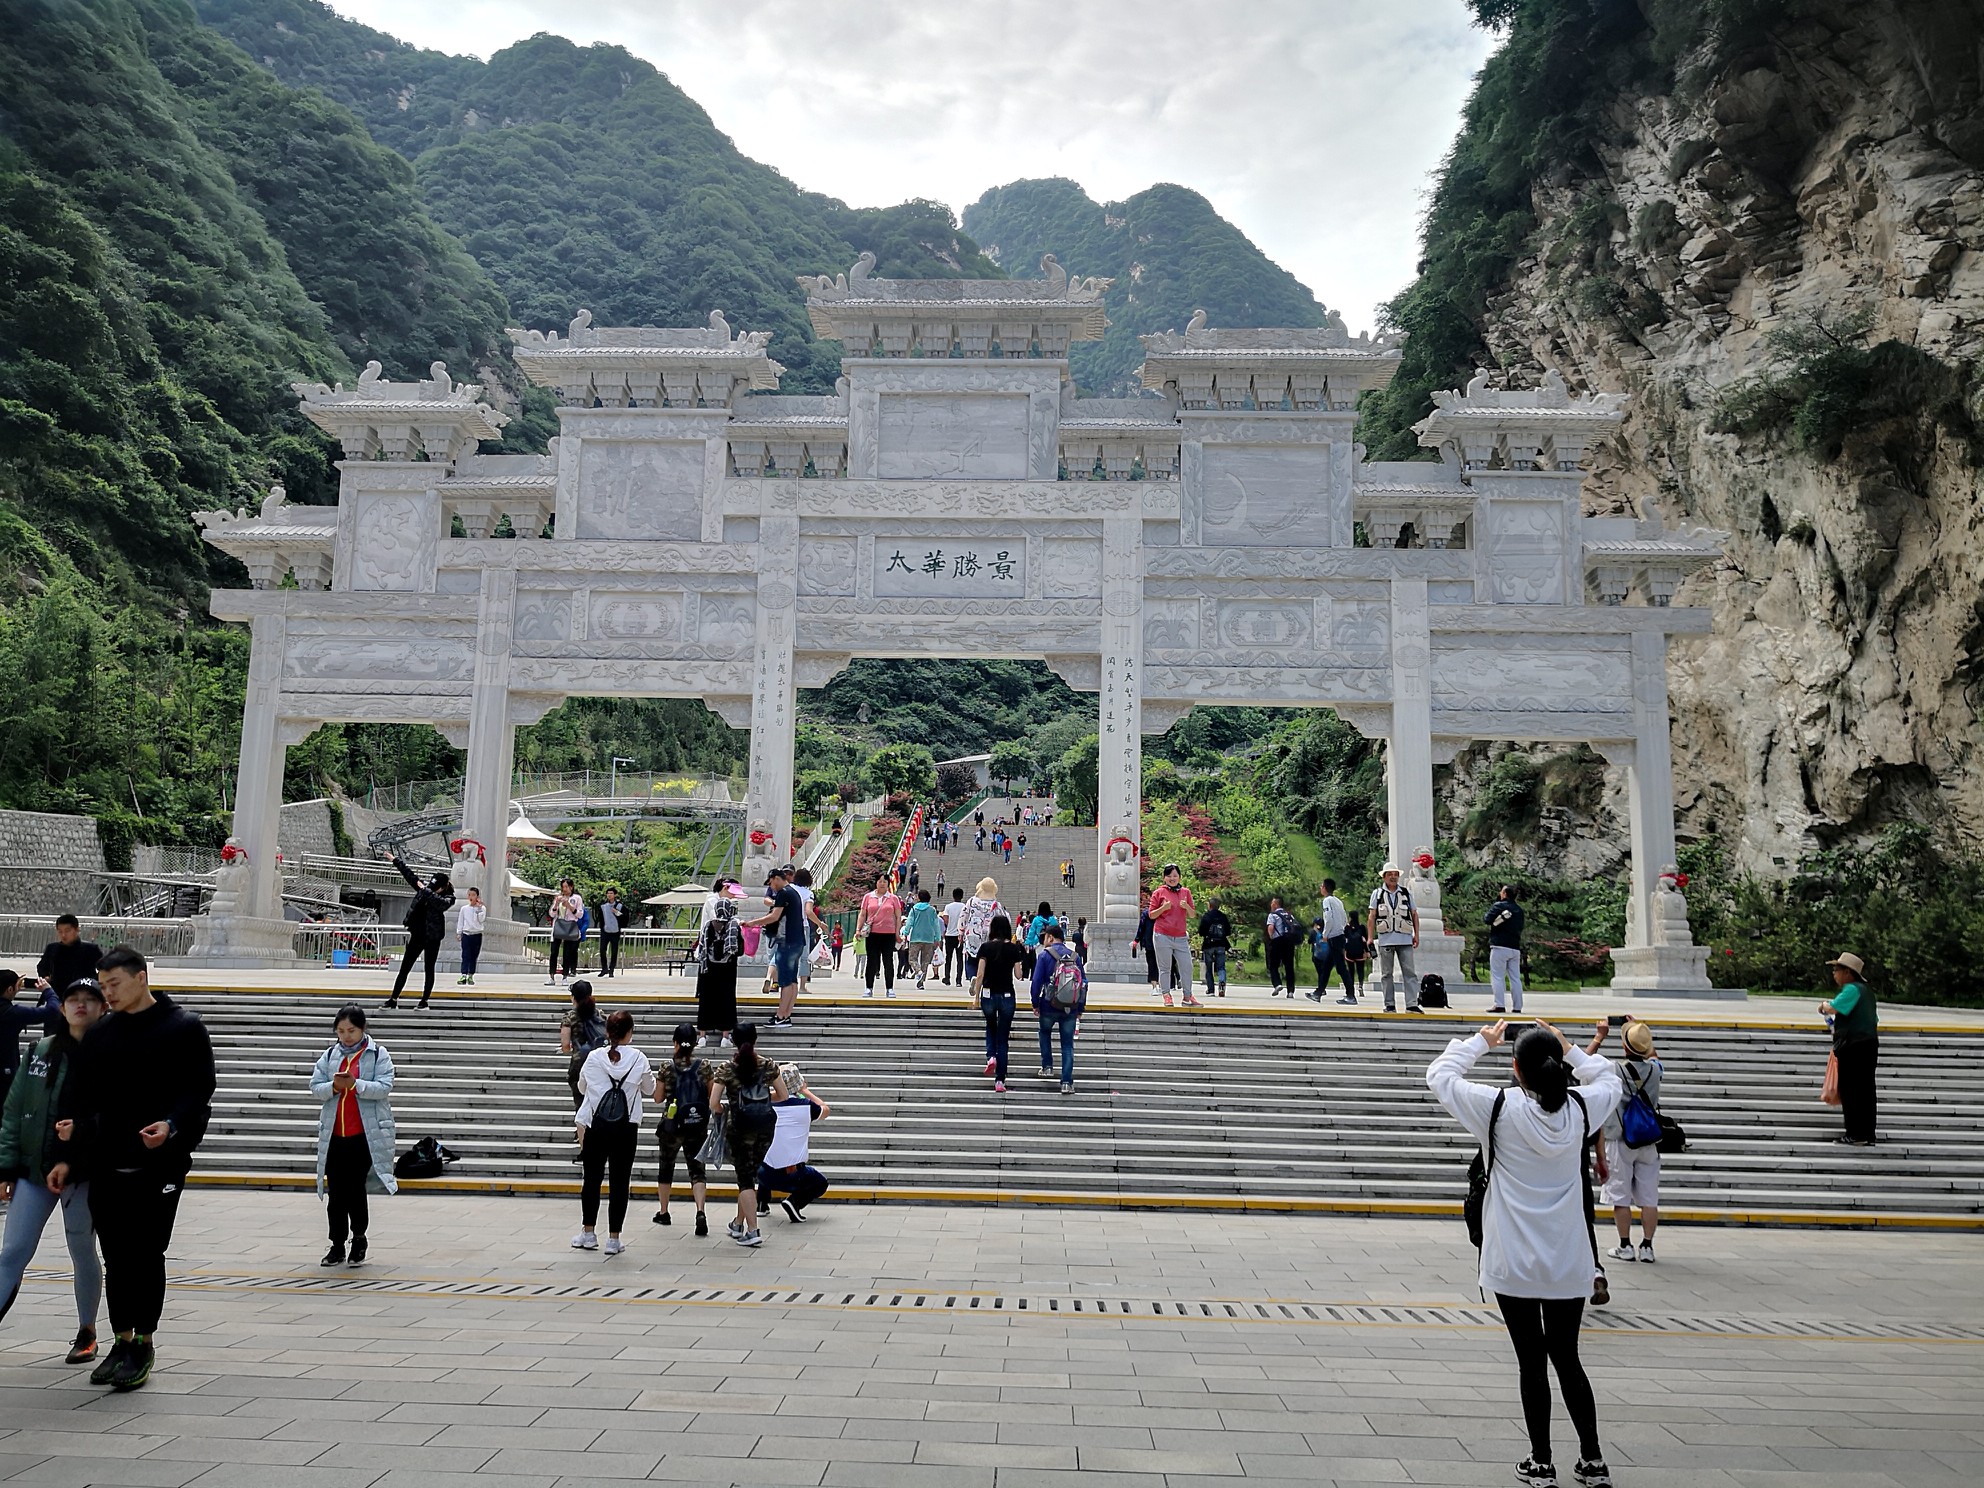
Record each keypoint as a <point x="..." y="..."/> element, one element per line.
<point x="998" y="958"/>
<point x="746" y="1087"/>
<point x="683" y="1093"/>
<point x="1536" y="1243"/>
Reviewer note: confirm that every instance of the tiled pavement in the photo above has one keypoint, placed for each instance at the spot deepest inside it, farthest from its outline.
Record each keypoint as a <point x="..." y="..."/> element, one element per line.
<point x="269" y="1387"/>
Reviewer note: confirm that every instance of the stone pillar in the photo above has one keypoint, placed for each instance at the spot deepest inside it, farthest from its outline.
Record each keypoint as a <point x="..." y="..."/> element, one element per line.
<point x="768" y="802"/>
<point x="1409" y="775"/>
<point x="244" y="925"/>
<point x="1655" y="960"/>
<point x="1120" y="756"/>
<point x="488" y="772"/>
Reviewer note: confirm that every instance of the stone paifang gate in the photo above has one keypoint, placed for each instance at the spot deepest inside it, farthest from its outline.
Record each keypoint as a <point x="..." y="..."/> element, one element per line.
<point x="690" y="536"/>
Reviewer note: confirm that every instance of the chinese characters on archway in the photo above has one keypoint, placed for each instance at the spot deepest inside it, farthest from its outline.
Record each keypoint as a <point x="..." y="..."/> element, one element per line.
<point x="924" y="569"/>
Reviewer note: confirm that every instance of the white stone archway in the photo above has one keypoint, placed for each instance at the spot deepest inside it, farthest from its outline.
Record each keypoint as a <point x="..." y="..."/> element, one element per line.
<point x="1198" y="545"/>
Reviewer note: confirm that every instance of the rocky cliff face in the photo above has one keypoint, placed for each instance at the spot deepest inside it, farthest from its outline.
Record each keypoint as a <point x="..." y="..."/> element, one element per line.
<point x="1775" y="215"/>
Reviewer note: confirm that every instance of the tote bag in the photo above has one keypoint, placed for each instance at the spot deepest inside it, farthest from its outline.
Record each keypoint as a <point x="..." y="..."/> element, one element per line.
<point x="1829" y="1092"/>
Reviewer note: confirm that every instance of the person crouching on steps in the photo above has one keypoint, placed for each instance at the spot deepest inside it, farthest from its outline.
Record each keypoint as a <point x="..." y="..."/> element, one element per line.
<point x="355" y="1135"/>
<point x="29" y="1148"/>
<point x="611" y="1084"/>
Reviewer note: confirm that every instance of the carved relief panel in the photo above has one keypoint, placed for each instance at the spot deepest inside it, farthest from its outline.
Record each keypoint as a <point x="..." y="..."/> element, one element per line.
<point x="1073" y="567"/>
<point x="926" y="436"/>
<point x="827" y="565"/>
<point x="1481" y="676"/>
<point x="640" y="489"/>
<point x="393" y="540"/>
<point x="1525" y="552"/>
<point x="1265" y="496"/>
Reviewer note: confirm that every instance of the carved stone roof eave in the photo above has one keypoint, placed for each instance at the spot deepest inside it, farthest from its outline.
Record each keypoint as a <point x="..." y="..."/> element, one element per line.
<point x="550" y="367"/>
<point x="335" y="414"/>
<point x="1655" y="550"/>
<point x="1153" y="428"/>
<point x="798" y="423"/>
<point x="1371" y="369"/>
<point x="1086" y="320"/>
<point x="269" y="534"/>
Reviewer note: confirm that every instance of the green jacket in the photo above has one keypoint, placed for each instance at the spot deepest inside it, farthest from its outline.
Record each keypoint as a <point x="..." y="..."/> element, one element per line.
<point x="28" y="1148"/>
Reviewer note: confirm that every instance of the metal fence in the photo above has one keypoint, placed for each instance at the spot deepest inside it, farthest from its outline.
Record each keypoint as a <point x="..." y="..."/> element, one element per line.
<point x="27" y="935"/>
<point x="417" y="795"/>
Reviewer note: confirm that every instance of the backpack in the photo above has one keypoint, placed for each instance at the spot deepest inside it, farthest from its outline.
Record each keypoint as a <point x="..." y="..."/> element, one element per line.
<point x="588" y="1032"/>
<point x="754" y="1102"/>
<point x="1281" y="924"/>
<point x="688" y="1095"/>
<point x="612" y="1108"/>
<point x="426" y="1158"/>
<point x="1639" y="1123"/>
<point x="723" y="937"/>
<point x="1068" y="982"/>
<point x="1433" y="990"/>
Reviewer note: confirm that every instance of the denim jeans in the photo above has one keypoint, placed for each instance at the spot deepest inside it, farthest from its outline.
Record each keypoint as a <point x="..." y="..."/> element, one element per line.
<point x="27" y="1216"/>
<point x="1215" y="968"/>
<point x="1066" y="1023"/>
<point x="998" y="1030"/>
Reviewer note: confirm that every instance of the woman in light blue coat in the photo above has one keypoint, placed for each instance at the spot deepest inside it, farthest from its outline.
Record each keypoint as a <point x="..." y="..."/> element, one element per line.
<point x="355" y="1136"/>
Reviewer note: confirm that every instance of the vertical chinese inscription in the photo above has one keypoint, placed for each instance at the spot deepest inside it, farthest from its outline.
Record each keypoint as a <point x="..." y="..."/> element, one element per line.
<point x="1120" y="721"/>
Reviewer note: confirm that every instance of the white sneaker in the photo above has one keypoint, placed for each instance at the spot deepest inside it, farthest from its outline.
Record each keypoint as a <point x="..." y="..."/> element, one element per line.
<point x="585" y="1240"/>
<point x="1646" y="1251"/>
<point x="748" y="1238"/>
<point x="613" y="1245"/>
<point x="1623" y="1252"/>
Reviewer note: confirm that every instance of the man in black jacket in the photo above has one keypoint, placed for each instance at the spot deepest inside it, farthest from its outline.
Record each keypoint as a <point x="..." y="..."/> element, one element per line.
<point x="1504" y="919"/>
<point x="132" y="1113"/>
<point x="68" y="958"/>
<point x="1215" y="940"/>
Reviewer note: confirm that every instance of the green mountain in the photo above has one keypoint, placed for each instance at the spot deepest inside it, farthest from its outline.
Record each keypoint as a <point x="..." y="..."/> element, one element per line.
<point x="581" y="176"/>
<point x="1169" y="252"/>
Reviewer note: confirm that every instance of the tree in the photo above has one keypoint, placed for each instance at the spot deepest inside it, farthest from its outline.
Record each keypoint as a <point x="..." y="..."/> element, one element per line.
<point x="1076" y="779"/>
<point x="1011" y="760"/>
<point x="904" y="768"/>
<point x="955" y="781"/>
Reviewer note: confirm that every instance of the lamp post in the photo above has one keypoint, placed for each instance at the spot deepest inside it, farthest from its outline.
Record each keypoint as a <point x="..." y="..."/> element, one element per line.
<point x="613" y="774"/>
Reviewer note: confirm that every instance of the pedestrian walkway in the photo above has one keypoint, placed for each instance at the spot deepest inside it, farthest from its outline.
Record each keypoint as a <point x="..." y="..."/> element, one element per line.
<point x="987" y="1349"/>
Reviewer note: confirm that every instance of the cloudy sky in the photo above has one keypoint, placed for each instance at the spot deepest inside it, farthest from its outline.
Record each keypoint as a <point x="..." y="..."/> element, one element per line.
<point x="1312" y="124"/>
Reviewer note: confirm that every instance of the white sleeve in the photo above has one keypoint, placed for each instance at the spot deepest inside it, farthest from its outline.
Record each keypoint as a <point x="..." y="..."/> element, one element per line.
<point x="1603" y="1091"/>
<point x="647" y="1081"/>
<point x="592" y="1086"/>
<point x="1469" y="1100"/>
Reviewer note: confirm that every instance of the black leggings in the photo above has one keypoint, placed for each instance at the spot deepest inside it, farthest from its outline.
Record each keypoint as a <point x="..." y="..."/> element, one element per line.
<point x="882" y="957"/>
<point x="1857" y="1065"/>
<point x="1545" y="1332"/>
<point x="609" y="1152"/>
<point x="416" y="948"/>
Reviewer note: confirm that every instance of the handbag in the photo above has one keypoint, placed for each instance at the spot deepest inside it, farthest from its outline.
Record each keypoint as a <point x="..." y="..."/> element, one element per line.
<point x="716" y="1146"/>
<point x="1673" y="1136"/>
<point x="1478" y="1171"/>
<point x="1829" y="1092"/>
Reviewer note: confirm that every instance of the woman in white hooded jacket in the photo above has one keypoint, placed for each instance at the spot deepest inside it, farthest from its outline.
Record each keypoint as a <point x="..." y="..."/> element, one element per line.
<point x="1536" y="1250"/>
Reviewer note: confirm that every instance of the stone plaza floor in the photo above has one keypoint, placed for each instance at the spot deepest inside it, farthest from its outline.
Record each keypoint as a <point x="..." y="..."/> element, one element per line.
<point x="987" y="1348"/>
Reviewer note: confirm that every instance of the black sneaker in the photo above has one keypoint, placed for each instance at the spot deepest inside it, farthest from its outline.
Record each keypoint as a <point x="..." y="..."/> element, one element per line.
<point x="107" y="1365"/>
<point x="702" y="1223"/>
<point x="135" y="1367"/>
<point x="1529" y="1470"/>
<point x="333" y="1257"/>
<point x="1593" y="1473"/>
<point x="83" y="1349"/>
<point x="357" y="1252"/>
<point x="792" y="1211"/>
<point x="661" y="1218"/>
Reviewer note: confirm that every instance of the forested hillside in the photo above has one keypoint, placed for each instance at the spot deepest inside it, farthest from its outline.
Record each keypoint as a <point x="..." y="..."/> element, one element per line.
<point x="1169" y="252"/>
<point x="581" y="176"/>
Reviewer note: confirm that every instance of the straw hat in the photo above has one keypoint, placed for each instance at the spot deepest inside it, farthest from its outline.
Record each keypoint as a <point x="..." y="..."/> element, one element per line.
<point x="1639" y="1040"/>
<point x="1850" y="961"/>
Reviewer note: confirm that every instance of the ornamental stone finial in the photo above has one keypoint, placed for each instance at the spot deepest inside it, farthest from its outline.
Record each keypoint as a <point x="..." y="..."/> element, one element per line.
<point x="275" y="500"/>
<point x="370" y="375"/>
<point x="863" y="266"/>
<point x="1196" y="323"/>
<point x="1056" y="275"/>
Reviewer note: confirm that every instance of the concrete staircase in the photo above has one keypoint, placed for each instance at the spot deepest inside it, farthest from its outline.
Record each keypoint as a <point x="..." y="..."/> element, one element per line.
<point x="1170" y="1108"/>
<point x="1025" y="883"/>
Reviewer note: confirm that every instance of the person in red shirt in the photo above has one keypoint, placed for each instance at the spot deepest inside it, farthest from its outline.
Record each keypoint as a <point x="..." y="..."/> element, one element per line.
<point x="1171" y="915"/>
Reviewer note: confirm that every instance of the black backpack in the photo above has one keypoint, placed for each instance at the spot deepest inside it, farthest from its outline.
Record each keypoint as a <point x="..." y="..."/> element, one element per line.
<point x="754" y="1102"/>
<point x="612" y="1107"/>
<point x="689" y="1094"/>
<point x="1433" y="990"/>
<point x="426" y="1158"/>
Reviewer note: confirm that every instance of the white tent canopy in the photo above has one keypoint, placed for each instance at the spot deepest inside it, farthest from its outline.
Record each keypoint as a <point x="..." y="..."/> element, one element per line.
<point x="518" y="886"/>
<point x="681" y="896"/>
<point x="522" y="830"/>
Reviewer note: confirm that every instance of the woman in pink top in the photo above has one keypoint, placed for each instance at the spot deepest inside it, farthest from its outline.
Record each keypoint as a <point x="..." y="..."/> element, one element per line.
<point x="881" y="918"/>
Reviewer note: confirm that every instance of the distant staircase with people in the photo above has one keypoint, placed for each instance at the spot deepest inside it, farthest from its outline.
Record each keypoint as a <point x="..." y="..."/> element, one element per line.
<point x="1221" y="1108"/>
<point x="1024" y="883"/>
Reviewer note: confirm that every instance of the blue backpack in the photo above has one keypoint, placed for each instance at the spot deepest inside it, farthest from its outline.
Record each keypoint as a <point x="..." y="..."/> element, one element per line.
<point x="1639" y="1123"/>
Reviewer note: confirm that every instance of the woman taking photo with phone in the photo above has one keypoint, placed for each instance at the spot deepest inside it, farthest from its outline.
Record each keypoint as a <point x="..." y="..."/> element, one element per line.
<point x="355" y="1136"/>
<point x="1536" y="1240"/>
